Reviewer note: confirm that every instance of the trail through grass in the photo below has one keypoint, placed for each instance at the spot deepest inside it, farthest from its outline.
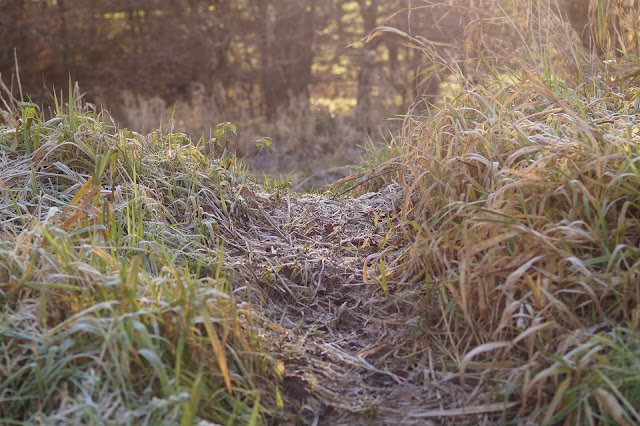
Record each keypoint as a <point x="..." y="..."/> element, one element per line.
<point x="484" y="269"/>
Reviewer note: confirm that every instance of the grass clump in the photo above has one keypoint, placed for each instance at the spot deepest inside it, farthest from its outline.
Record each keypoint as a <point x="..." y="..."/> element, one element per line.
<point x="526" y="217"/>
<point x="520" y="224"/>
<point x="115" y="303"/>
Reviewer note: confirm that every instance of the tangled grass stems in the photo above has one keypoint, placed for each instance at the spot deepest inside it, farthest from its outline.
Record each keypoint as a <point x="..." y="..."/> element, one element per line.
<point x="116" y="304"/>
<point x="520" y="211"/>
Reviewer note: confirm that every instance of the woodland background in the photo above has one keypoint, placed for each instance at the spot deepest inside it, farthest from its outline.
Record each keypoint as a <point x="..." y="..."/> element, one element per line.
<point x="299" y="71"/>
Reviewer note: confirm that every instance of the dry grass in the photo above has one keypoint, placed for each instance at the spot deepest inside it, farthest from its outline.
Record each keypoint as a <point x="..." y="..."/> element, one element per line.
<point x="311" y="143"/>
<point x="147" y="282"/>
<point x="520" y="213"/>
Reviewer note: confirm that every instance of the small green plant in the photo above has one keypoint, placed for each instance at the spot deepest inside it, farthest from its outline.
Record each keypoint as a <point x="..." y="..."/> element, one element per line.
<point x="26" y="114"/>
<point x="263" y="143"/>
<point x="223" y="135"/>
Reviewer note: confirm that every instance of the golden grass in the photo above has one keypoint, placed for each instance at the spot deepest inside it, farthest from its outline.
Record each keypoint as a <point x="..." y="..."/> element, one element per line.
<point x="521" y="210"/>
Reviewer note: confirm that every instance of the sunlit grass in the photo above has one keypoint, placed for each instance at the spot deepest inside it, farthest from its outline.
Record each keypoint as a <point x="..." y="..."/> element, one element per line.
<point x="520" y="211"/>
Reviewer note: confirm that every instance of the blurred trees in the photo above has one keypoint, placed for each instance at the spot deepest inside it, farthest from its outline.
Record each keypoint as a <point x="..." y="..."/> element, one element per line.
<point x="254" y="55"/>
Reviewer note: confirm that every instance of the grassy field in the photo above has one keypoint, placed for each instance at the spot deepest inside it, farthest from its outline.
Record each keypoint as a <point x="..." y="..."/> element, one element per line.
<point x="483" y="269"/>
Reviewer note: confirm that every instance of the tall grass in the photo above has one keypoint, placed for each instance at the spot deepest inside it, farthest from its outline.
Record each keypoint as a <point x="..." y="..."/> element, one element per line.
<point x="116" y="306"/>
<point x="521" y="212"/>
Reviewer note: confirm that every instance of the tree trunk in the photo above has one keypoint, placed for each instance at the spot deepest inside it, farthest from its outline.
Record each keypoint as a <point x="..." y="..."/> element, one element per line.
<point x="367" y="70"/>
<point x="64" y="38"/>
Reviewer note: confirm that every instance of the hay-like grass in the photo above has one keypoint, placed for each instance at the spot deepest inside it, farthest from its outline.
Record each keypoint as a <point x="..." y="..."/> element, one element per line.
<point x="521" y="212"/>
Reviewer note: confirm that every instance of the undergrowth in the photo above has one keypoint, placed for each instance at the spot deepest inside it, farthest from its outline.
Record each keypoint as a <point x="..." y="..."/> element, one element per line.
<point x="309" y="139"/>
<point x="115" y="304"/>
<point x="520" y="222"/>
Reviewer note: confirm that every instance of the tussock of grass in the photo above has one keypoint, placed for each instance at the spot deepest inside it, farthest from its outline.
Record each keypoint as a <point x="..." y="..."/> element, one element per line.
<point x="115" y="304"/>
<point x="521" y="212"/>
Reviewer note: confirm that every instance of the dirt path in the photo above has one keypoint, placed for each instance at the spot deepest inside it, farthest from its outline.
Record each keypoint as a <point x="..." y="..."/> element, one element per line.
<point x="350" y="353"/>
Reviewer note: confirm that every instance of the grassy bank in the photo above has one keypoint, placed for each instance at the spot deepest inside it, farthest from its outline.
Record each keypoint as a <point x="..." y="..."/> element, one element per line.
<point x="115" y="305"/>
<point x="520" y="221"/>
